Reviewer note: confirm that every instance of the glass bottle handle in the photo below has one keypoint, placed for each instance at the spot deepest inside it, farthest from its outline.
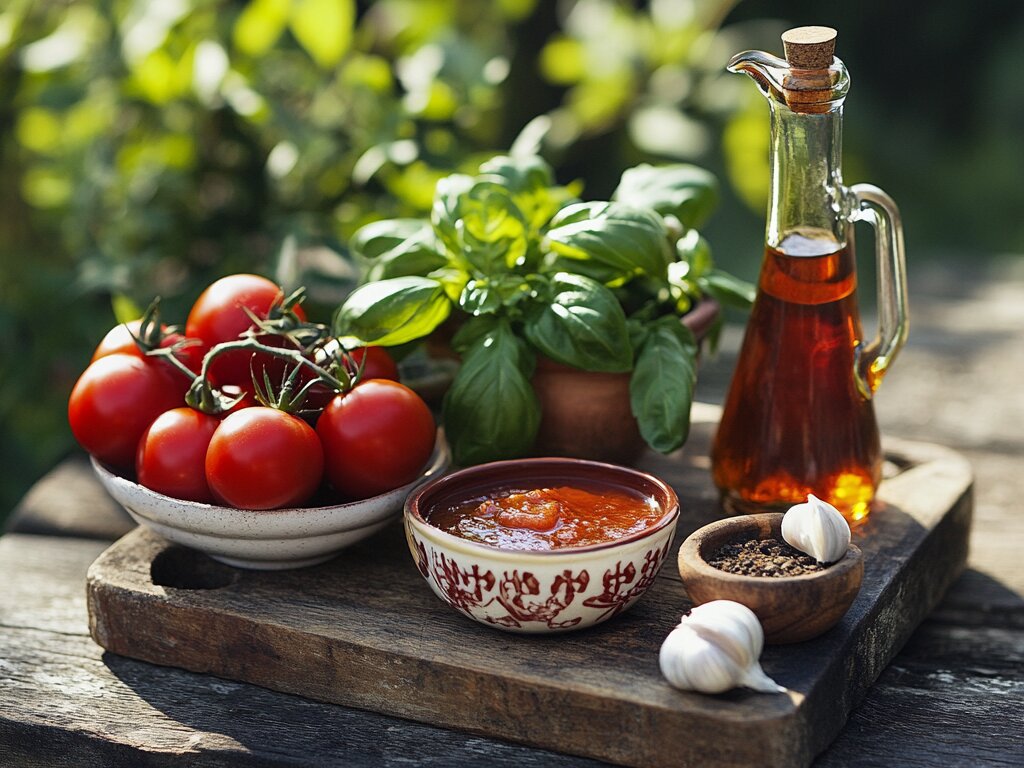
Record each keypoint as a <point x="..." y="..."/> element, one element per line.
<point x="874" y="357"/>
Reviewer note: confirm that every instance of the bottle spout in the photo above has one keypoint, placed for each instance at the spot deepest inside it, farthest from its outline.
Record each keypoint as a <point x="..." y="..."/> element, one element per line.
<point x="809" y="79"/>
<point x="769" y="72"/>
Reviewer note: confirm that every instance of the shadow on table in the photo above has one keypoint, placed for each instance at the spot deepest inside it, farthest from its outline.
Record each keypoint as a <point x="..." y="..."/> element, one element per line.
<point x="977" y="599"/>
<point x="243" y="724"/>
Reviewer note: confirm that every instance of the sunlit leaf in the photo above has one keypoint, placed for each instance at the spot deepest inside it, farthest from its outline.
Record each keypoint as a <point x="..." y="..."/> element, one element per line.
<point x="687" y="192"/>
<point x="324" y="28"/>
<point x="38" y="129"/>
<point x="745" y="142"/>
<point x="260" y="25"/>
<point x="45" y="187"/>
<point x="562" y="61"/>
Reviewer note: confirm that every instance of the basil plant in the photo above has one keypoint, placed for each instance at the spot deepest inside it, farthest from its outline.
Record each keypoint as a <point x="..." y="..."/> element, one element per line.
<point x="528" y="269"/>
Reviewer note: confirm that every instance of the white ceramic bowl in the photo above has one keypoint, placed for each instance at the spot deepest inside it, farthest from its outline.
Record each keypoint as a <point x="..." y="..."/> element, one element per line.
<point x="538" y="591"/>
<point x="272" y="539"/>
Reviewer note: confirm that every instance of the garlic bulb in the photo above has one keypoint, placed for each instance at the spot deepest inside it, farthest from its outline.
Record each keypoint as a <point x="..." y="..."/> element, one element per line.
<point x="817" y="528"/>
<point x="716" y="648"/>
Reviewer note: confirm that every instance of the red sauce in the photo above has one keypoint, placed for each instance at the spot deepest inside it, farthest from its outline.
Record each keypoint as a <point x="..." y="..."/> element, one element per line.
<point x="548" y="518"/>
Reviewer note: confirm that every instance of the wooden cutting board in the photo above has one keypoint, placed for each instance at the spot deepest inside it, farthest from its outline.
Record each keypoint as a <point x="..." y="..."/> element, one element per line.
<point x="364" y="630"/>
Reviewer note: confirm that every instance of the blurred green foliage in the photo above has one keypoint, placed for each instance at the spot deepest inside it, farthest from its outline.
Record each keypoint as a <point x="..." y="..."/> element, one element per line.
<point x="147" y="147"/>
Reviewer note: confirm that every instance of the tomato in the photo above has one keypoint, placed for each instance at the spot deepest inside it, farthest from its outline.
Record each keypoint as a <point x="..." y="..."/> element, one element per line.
<point x="376" y="437"/>
<point x="378" y="365"/>
<point x="171" y="457"/>
<point x="219" y="314"/>
<point x="263" y="458"/>
<point x="121" y="340"/>
<point x="115" y="400"/>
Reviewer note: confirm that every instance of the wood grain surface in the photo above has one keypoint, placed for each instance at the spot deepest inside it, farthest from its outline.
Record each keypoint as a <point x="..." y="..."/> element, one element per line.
<point x="365" y="631"/>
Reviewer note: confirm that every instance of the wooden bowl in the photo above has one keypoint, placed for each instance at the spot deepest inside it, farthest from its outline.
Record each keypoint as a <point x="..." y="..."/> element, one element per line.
<point x="791" y="608"/>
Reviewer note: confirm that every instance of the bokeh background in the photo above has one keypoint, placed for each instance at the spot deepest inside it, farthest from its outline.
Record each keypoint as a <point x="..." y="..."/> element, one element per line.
<point x="147" y="147"/>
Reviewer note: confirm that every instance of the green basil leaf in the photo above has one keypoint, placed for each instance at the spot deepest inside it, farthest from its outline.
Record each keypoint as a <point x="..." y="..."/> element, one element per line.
<point x="661" y="388"/>
<point x="472" y="331"/>
<point x="583" y="326"/>
<point x="416" y="255"/>
<point x="392" y="312"/>
<point x="491" y="411"/>
<point x="491" y="228"/>
<point x="727" y="289"/>
<point x="380" y="237"/>
<point x="444" y="214"/>
<point x="694" y="251"/>
<point x="624" y="241"/>
<point x="519" y="174"/>
<point x="685" y="191"/>
<point x="487" y="295"/>
<point x="531" y="183"/>
<point x="480" y="297"/>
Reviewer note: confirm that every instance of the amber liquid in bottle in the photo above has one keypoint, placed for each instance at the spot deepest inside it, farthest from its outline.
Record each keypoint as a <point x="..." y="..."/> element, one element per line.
<point x="794" y="421"/>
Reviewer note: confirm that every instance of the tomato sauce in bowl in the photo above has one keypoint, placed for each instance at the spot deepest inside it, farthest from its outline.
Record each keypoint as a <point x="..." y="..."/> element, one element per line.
<point x="541" y="545"/>
<point x="548" y="517"/>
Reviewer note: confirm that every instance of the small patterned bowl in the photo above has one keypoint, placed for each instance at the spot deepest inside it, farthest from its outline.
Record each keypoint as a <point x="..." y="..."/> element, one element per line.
<point x="273" y="539"/>
<point x="538" y="591"/>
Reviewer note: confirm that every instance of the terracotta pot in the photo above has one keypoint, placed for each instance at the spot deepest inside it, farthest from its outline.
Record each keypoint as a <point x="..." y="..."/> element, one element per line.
<point x="587" y="414"/>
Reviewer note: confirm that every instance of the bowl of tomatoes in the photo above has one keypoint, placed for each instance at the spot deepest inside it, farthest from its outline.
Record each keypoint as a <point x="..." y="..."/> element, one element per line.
<point x="265" y="539"/>
<point x="254" y="436"/>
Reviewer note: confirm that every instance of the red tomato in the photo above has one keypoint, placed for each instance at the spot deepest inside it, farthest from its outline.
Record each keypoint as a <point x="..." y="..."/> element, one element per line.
<point x="376" y="437"/>
<point x="121" y="340"/>
<point x="378" y="365"/>
<point x="172" y="454"/>
<point x="114" y="401"/>
<point x="219" y="315"/>
<point x="263" y="458"/>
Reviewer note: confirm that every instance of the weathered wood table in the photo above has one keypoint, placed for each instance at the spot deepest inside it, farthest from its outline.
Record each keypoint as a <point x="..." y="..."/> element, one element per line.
<point x="64" y="697"/>
<point x="953" y="696"/>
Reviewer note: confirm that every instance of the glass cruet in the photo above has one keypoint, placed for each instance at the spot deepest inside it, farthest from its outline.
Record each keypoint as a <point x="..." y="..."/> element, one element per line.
<point x="799" y="417"/>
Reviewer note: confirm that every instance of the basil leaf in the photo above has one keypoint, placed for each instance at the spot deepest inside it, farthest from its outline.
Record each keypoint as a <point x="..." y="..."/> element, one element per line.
<point x="583" y="325"/>
<point x="624" y="241"/>
<point x="491" y="228"/>
<point x="415" y="256"/>
<point x="491" y="411"/>
<point x="444" y="214"/>
<point x="392" y="312"/>
<point x="694" y="251"/>
<point x="480" y="225"/>
<point x="531" y="181"/>
<point x="727" y="289"/>
<point x="661" y="388"/>
<point x="488" y="295"/>
<point x="379" y="237"/>
<point x="472" y="331"/>
<point x="685" y="191"/>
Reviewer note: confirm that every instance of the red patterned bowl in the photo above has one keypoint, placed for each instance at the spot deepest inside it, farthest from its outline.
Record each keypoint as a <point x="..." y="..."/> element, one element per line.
<point x="538" y="591"/>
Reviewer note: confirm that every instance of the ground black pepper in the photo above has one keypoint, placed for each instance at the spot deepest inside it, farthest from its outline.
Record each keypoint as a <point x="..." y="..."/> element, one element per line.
<point x="764" y="557"/>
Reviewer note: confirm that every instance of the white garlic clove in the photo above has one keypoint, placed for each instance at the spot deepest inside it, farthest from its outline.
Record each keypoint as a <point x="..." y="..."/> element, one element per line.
<point x="817" y="528"/>
<point x="732" y="626"/>
<point x="716" y="648"/>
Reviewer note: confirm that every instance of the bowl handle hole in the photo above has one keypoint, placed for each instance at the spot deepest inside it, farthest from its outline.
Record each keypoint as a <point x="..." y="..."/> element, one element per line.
<point x="182" y="568"/>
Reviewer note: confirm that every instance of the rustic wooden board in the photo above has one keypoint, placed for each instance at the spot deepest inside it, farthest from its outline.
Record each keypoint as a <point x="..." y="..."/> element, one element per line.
<point x="364" y="630"/>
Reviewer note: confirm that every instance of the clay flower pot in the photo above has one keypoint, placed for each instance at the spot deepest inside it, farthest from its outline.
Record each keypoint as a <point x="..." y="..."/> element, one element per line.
<point x="587" y="414"/>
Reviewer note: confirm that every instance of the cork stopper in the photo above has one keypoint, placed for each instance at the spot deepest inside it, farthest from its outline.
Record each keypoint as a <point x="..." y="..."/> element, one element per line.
<point x="809" y="47"/>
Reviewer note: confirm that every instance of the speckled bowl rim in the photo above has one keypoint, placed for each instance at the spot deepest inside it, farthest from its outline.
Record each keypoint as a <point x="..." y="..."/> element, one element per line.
<point x="414" y="515"/>
<point x="436" y="465"/>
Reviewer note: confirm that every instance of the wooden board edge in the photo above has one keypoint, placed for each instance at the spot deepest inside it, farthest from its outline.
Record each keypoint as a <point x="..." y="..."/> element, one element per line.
<point x="515" y="710"/>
